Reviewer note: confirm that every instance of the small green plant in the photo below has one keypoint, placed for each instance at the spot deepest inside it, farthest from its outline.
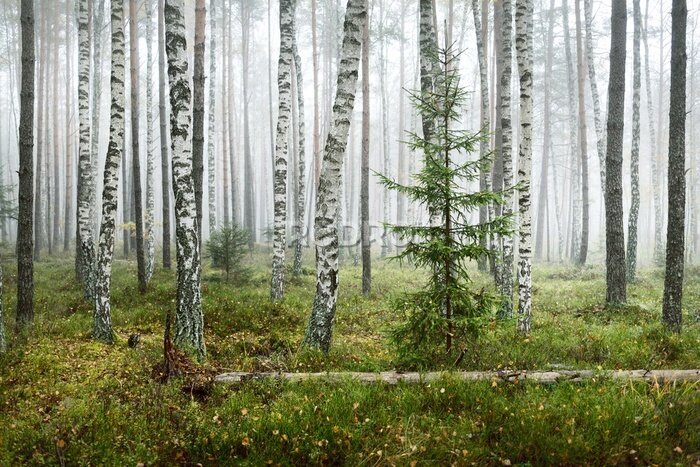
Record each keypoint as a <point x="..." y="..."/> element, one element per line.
<point x="446" y="309"/>
<point x="227" y="247"/>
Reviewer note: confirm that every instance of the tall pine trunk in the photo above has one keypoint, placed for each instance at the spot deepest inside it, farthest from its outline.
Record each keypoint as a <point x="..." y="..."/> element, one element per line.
<point x="25" y="226"/>
<point x="198" y="112"/>
<point x="39" y="173"/>
<point x="614" y="231"/>
<point x="284" y="83"/>
<point x="102" y="319"/>
<point x="164" y="135"/>
<point x="542" y="222"/>
<point x="582" y="253"/>
<point x="675" y="236"/>
<point x="320" y="328"/>
<point x="68" y="212"/>
<point x="364" y="168"/>
<point x="189" y="319"/>
<point x="248" y="175"/>
<point x="523" y="44"/>
<point x="135" y="147"/>
<point x="634" y="160"/>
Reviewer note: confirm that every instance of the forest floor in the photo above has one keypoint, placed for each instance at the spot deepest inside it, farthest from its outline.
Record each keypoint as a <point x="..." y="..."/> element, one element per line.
<point x="67" y="400"/>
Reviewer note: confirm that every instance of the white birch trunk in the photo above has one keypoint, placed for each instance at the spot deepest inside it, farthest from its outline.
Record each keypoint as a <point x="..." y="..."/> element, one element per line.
<point x="102" y="323"/>
<point x="319" y="331"/>
<point x="284" y="82"/>
<point x="523" y="44"/>
<point x="189" y="320"/>
<point x="86" y="182"/>
<point x="150" y="201"/>
<point x="597" y="117"/>
<point x="301" y="163"/>
<point x="631" y="255"/>
<point x="506" y="146"/>
<point x="211" y="145"/>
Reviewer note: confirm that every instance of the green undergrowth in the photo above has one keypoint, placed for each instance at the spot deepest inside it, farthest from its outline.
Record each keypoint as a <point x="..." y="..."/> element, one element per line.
<point x="66" y="399"/>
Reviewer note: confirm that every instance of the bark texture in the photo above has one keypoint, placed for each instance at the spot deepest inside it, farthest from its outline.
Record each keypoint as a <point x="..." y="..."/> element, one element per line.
<point x="301" y="163"/>
<point x="198" y="113"/>
<point x="365" y="232"/>
<point x="150" y="163"/>
<point x="320" y="328"/>
<point x="189" y="319"/>
<point x="25" y="226"/>
<point x="634" y="159"/>
<point x="582" y="253"/>
<point x="164" y="135"/>
<point x="614" y="218"/>
<point x="284" y="83"/>
<point x="102" y="318"/>
<point x="597" y="117"/>
<point x="675" y="237"/>
<point x="523" y="45"/>
<point x="211" y="128"/>
<point x="135" y="143"/>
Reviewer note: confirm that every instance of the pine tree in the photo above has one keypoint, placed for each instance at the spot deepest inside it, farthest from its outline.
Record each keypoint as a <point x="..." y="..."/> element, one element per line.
<point x="445" y="309"/>
<point x="675" y="236"/>
<point x="25" y="227"/>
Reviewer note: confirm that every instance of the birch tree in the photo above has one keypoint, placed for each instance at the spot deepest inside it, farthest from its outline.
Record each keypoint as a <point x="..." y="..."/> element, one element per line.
<point x="598" y="119"/>
<point x="614" y="231"/>
<point x="150" y="163"/>
<point x="582" y="253"/>
<point x="675" y="236"/>
<point x="102" y="318"/>
<point x="506" y="148"/>
<point x="523" y="44"/>
<point x="189" y="319"/>
<point x="573" y="135"/>
<point x="40" y="174"/>
<point x="86" y="183"/>
<point x="211" y="128"/>
<point x="301" y="162"/>
<point x="25" y="227"/>
<point x="284" y="83"/>
<point x="320" y="327"/>
<point x="634" y="159"/>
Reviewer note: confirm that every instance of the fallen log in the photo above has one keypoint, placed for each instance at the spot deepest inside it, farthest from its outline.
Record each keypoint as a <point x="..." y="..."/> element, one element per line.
<point x="513" y="376"/>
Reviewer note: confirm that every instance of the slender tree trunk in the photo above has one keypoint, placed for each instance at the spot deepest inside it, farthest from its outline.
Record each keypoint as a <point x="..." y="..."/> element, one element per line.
<point x="211" y="129"/>
<point x="634" y="160"/>
<point x="126" y="204"/>
<point x="68" y="212"/>
<point x="497" y="169"/>
<point x="481" y="30"/>
<point x="364" y="169"/>
<point x="25" y="227"/>
<point x="402" y="165"/>
<point x="235" y="200"/>
<point x="320" y="328"/>
<point x="150" y="163"/>
<point x="55" y="213"/>
<point x="225" y="91"/>
<point x="135" y="148"/>
<point x="615" y="235"/>
<point x="386" y="156"/>
<point x="38" y="198"/>
<point x="301" y="162"/>
<point x="542" y="202"/>
<point x="573" y="135"/>
<point x="284" y="80"/>
<point x="86" y="182"/>
<point x="523" y="44"/>
<point x="655" y="171"/>
<point x="675" y="237"/>
<point x="506" y="146"/>
<point x="598" y="119"/>
<point x="164" y="135"/>
<point x="269" y="85"/>
<point x="317" y="112"/>
<point x="99" y="25"/>
<point x="189" y="319"/>
<point x="582" y="138"/>
<point x="198" y="112"/>
<point x="102" y="320"/>
<point x="249" y="185"/>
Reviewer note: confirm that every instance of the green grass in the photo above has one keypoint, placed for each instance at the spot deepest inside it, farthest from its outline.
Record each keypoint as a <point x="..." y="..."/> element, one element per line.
<point x="66" y="398"/>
